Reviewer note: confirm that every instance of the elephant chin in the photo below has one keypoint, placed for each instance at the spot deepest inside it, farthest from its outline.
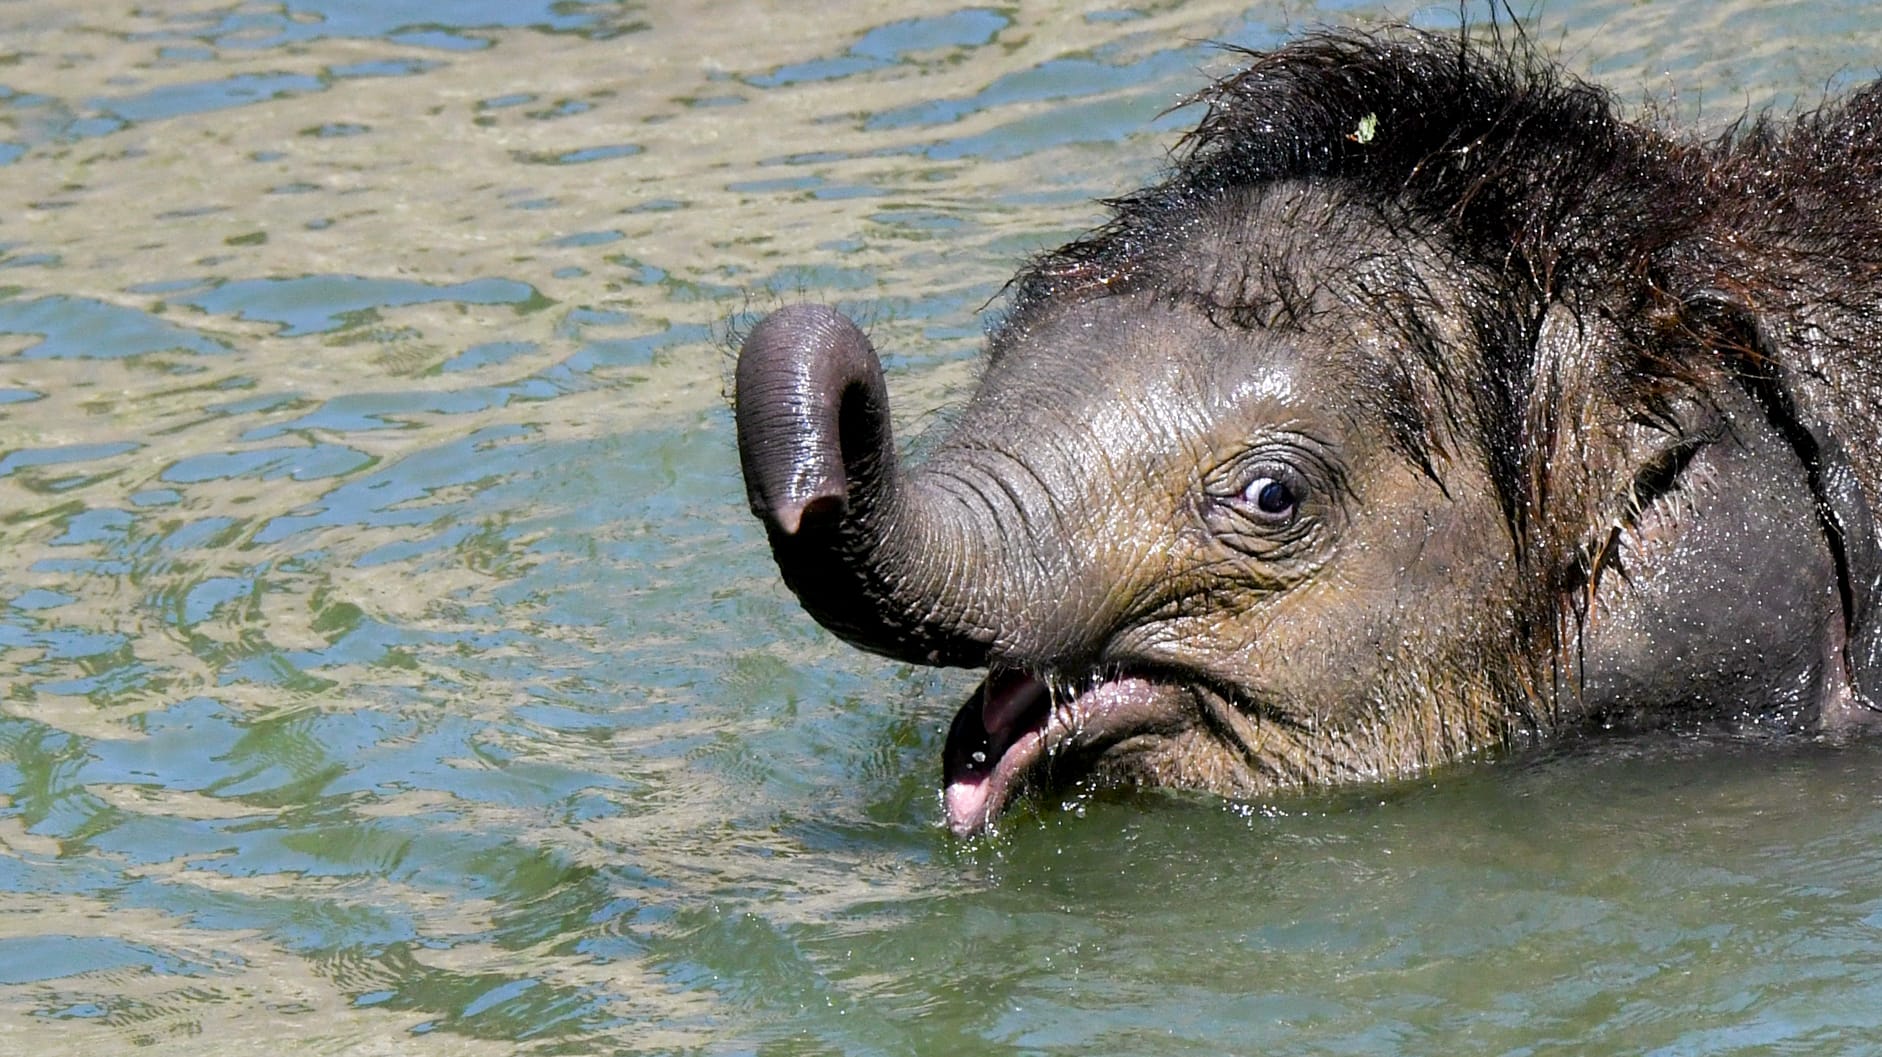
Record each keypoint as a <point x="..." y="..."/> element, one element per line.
<point x="1015" y="732"/>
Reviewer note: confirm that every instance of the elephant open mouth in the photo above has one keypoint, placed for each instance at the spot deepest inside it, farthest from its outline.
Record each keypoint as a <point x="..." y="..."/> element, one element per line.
<point x="1015" y="728"/>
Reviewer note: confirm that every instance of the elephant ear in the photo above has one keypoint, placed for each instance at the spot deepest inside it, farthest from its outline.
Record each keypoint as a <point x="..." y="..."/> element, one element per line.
<point x="1693" y="581"/>
<point x="1843" y="512"/>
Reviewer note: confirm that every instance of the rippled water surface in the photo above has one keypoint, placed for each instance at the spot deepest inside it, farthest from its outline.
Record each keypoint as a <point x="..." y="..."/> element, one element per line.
<point x="388" y="663"/>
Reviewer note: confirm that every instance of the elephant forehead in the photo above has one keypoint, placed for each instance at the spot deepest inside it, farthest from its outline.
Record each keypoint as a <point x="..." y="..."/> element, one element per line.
<point x="1129" y="356"/>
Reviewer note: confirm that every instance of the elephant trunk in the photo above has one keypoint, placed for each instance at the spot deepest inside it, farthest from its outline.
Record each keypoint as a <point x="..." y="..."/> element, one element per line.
<point x="871" y="560"/>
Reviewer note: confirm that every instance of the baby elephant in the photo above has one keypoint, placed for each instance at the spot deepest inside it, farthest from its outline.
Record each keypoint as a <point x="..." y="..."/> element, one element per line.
<point x="1424" y="407"/>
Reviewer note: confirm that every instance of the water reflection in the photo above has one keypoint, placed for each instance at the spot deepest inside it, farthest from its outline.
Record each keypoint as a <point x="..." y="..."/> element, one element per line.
<point x="385" y="652"/>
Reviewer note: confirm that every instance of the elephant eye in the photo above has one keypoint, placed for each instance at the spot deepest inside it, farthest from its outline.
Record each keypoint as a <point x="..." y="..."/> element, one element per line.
<point x="1272" y="502"/>
<point x="1273" y="497"/>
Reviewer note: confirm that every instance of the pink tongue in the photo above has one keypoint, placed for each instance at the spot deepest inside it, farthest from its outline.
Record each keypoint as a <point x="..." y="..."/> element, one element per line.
<point x="1007" y="700"/>
<point x="966" y="803"/>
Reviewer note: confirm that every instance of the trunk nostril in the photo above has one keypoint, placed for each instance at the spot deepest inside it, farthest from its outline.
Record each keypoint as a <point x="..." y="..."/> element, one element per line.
<point x="807" y="515"/>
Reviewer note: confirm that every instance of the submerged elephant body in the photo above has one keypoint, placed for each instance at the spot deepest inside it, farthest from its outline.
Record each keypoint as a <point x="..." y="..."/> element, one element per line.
<point x="1423" y="406"/>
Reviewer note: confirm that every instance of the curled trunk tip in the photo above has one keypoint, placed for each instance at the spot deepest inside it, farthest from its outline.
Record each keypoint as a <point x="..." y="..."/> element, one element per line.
<point x="809" y="384"/>
<point x="820" y="471"/>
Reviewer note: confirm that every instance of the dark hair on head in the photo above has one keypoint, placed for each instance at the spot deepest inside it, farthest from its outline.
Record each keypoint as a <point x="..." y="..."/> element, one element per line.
<point x="1523" y="167"/>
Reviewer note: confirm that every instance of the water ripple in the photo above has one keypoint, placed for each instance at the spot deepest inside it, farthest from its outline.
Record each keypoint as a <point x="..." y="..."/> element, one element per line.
<point x="386" y="656"/>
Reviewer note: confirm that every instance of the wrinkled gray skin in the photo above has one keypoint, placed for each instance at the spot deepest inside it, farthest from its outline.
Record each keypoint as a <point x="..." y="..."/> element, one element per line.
<point x="1182" y="523"/>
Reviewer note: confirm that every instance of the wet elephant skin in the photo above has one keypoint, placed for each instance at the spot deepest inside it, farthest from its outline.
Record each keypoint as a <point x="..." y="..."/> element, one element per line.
<point x="1424" y="406"/>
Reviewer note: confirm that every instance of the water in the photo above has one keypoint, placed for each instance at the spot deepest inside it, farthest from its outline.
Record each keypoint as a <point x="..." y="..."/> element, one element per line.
<point x="388" y="665"/>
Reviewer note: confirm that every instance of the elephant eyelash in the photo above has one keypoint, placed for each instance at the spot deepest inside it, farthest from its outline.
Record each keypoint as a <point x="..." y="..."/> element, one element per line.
<point x="1668" y="486"/>
<point x="1662" y="476"/>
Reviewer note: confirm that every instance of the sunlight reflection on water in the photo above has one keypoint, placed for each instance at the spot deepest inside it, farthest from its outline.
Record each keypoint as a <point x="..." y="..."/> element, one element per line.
<point x="385" y="651"/>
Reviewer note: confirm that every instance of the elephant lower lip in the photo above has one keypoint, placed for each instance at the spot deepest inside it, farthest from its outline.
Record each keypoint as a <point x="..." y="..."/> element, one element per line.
<point x="1011" y="727"/>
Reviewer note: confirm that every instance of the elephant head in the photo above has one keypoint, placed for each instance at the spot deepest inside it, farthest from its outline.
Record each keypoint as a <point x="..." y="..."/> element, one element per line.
<point x="1407" y="417"/>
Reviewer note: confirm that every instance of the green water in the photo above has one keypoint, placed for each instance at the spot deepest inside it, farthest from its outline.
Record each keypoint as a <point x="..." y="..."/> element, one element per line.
<point x="388" y="664"/>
